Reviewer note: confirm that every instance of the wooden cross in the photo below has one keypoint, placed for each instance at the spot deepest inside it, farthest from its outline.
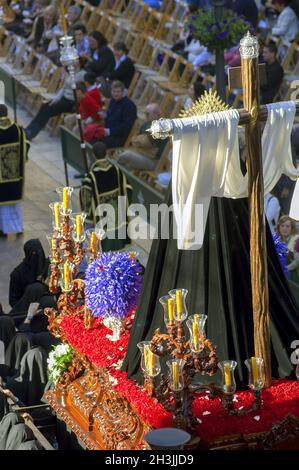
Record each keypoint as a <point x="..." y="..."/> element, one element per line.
<point x="252" y="75"/>
<point x="251" y="116"/>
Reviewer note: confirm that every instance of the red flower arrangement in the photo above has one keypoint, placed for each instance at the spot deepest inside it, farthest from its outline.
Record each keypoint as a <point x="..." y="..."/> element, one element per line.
<point x="278" y="400"/>
<point x="93" y="342"/>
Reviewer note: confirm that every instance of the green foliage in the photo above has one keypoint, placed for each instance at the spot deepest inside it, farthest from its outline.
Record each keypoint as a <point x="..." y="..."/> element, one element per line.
<point x="218" y="35"/>
<point x="59" y="360"/>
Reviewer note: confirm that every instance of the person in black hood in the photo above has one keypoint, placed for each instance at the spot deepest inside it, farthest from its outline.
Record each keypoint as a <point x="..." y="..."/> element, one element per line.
<point x="31" y="269"/>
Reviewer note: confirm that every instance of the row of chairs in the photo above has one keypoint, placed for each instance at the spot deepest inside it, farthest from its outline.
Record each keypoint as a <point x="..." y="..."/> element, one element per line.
<point x="37" y="77"/>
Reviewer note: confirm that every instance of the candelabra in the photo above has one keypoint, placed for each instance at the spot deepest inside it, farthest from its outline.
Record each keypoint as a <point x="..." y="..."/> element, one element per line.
<point x="69" y="58"/>
<point x="188" y="357"/>
<point x="69" y="244"/>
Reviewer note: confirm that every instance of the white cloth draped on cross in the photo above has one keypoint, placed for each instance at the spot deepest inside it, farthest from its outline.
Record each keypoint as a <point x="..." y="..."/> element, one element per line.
<point x="206" y="163"/>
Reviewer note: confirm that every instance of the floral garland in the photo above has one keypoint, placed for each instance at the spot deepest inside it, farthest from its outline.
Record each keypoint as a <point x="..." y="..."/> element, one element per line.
<point x="278" y="400"/>
<point x="58" y="361"/>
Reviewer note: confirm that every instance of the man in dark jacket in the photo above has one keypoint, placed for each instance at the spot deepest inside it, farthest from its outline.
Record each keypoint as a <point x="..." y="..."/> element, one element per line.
<point x="123" y="71"/>
<point x="121" y="115"/>
<point x="124" y="68"/>
<point x="274" y="74"/>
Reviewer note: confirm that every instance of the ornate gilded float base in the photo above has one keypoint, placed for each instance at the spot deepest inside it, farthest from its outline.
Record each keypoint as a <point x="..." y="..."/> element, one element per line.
<point x="100" y="417"/>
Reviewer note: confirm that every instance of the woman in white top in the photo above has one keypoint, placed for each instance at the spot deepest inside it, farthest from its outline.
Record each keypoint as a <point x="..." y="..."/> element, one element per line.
<point x="287" y="22"/>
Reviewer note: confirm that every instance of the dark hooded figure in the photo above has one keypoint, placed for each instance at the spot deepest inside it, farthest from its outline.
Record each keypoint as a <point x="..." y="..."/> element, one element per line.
<point x="28" y="271"/>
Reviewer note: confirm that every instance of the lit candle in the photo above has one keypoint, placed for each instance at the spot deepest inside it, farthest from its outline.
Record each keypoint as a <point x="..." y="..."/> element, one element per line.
<point x="65" y="198"/>
<point x="151" y="362"/>
<point x="57" y="214"/>
<point x="66" y="274"/>
<point x="195" y="330"/>
<point x="227" y="378"/>
<point x="175" y="375"/>
<point x="146" y="356"/>
<point x="78" y="226"/>
<point x="170" y="304"/>
<point x="63" y="18"/>
<point x="179" y="304"/>
<point x="255" y="374"/>
<point x="93" y="243"/>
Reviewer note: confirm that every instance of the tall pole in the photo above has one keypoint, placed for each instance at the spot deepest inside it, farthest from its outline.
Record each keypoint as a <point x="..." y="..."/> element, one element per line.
<point x="249" y="52"/>
<point x="220" y="73"/>
<point x="69" y="58"/>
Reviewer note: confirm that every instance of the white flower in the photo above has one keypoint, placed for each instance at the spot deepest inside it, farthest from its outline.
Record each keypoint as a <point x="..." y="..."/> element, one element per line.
<point x="62" y="349"/>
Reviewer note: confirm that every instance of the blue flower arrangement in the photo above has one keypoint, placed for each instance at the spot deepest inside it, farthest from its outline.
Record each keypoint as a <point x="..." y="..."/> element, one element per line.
<point x="113" y="284"/>
<point x="218" y="35"/>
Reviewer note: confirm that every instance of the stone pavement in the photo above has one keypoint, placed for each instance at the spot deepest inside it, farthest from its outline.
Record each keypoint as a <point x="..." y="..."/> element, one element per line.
<point x="44" y="173"/>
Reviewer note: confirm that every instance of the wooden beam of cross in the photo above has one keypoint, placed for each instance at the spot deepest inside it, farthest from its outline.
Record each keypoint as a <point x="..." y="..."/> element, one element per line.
<point x="251" y="116"/>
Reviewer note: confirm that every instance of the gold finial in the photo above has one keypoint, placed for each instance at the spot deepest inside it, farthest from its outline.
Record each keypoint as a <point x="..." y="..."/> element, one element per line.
<point x="209" y="102"/>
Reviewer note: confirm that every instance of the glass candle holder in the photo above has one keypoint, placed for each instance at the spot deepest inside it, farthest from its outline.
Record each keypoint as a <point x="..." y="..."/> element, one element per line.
<point x="150" y="362"/>
<point x="180" y="309"/>
<point x="228" y="376"/>
<point x="66" y="276"/>
<point x="94" y="242"/>
<point x="56" y="208"/>
<point x="78" y="220"/>
<point x="256" y="373"/>
<point x="176" y="367"/>
<point x="167" y="303"/>
<point x="54" y="248"/>
<point x="65" y="194"/>
<point x="196" y="326"/>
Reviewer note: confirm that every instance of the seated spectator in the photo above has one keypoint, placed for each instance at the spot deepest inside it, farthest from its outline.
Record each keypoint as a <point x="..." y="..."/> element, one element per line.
<point x="232" y="57"/>
<point x="286" y="230"/>
<point x="100" y="60"/>
<point x="92" y="87"/>
<point x="287" y="22"/>
<point x="15" y="435"/>
<point x="104" y="183"/>
<point x="149" y="149"/>
<point x="195" y="91"/>
<point x="120" y="117"/>
<point x="81" y="39"/>
<point x="123" y="71"/>
<point x="63" y="103"/>
<point x="23" y="16"/>
<point x="54" y="35"/>
<point x="29" y="382"/>
<point x="33" y="293"/>
<point x="272" y="210"/>
<point x="274" y="74"/>
<point x="89" y="110"/>
<point x="42" y="29"/>
<point x="32" y="332"/>
<point x="28" y="271"/>
<point x="73" y="17"/>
